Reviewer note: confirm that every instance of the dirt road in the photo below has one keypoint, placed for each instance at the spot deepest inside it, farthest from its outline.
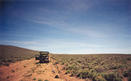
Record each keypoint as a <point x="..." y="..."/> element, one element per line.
<point x="31" y="70"/>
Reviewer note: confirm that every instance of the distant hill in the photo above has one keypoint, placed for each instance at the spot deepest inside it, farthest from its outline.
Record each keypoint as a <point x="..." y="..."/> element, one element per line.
<point x="10" y="54"/>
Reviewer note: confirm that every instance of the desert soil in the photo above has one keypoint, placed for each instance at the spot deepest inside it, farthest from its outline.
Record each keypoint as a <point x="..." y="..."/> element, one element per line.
<point x="31" y="70"/>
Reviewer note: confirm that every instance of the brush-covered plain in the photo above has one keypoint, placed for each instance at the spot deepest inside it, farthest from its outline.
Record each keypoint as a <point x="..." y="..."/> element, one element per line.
<point x="110" y="67"/>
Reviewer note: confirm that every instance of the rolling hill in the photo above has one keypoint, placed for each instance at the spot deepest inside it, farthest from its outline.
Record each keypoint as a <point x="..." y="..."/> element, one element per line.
<point x="9" y="54"/>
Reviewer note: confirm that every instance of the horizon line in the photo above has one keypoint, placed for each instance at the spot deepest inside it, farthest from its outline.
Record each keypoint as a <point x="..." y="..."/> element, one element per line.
<point x="68" y="53"/>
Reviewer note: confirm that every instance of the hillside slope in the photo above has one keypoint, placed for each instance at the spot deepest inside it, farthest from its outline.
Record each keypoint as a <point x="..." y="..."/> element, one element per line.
<point x="10" y="54"/>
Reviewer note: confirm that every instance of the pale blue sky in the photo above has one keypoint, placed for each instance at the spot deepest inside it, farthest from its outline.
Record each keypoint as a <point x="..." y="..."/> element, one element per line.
<point x="67" y="26"/>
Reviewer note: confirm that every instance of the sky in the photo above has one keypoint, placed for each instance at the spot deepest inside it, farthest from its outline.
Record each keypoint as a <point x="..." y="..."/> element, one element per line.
<point x="67" y="26"/>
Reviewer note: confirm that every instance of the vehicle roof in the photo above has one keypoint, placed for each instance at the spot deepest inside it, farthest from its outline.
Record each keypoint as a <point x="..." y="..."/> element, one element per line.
<point x="44" y="52"/>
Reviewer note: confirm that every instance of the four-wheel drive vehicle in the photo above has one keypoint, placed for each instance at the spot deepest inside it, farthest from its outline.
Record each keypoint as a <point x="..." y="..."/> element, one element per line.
<point x="43" y="57"/>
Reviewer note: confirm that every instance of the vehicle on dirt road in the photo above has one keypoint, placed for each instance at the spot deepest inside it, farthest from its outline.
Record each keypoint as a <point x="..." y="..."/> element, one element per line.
<point x="43" y="57"/>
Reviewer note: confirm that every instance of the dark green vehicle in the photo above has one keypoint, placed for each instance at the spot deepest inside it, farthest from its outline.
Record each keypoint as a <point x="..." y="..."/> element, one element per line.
<point x="43" y="57"/>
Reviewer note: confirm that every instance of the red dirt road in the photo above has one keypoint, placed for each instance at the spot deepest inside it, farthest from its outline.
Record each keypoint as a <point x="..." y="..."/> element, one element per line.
<point x="29" y="70"/>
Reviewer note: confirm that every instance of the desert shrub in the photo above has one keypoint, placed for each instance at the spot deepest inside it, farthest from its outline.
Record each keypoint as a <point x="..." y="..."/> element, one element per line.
<point x="25" y="66"/>
<point x="87" y="79"/>
<point x="96" y="67"/>
<point x="9" y="60"/>
<point x="129" y="78"/>
<point x="92" y="75"/>
<point x="55" y="63"/>
<point x="34" y="78"/>
<point x="86" y="74"/>
<point x="129" y="74"/>
<point x="83" y="74"/>
<point x="6" y="64"/>
<point x="98" y="78"/>
<point x="12" y="70"/>
<point x="71" y="67"/>
<point x="62" y="63"/>
<point x="74" y="73"/>
<point x="112" y="77"/>
<point x="129" y="58"/>
<point x="125" y="73"/>
<point x="8" y="77"/>
<point x="116" y="66"/>
<point x="67" y="72"/>
<point x="46" y="80"/>
<point x="99" y="69"/>
<point x="39" y="79"/>
<point x="79" y="61"/>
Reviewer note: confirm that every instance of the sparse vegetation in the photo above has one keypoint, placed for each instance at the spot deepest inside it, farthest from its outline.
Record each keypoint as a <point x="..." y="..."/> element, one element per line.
<point x="34" y="78"/>
<point x="12" y="71"/>
<point x="46" y="80"/>
<point x="88" y="67"/>
<point x="11" y="54"/>
<point x="96" y="67"/>
<point x="8" y="77"/>
<point x="24" y="66"/>
<point x="39" y="79"/>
